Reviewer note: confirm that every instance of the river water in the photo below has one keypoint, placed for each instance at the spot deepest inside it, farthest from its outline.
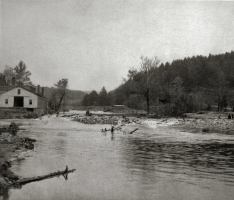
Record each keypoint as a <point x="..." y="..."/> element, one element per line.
<point x="152" y="163"/>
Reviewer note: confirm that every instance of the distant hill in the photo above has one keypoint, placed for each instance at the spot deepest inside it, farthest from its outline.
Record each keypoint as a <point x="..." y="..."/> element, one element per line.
<point x="75" y="96"/>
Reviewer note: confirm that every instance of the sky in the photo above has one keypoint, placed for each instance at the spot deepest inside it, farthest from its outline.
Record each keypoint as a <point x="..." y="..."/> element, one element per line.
<point x="93" y="43"/>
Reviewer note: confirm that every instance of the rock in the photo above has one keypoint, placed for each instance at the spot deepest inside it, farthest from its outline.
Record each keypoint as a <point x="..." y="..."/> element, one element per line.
<point x="205" y="130"/>
<point x="9" y="174"/>
<point x="3" y="183"/>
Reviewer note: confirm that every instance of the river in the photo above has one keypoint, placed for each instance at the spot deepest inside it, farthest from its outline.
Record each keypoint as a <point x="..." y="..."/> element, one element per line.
<point x="153" y="163"/>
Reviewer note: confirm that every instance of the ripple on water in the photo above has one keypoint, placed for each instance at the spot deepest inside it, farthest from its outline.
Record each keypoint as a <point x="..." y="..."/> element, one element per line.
<point x="137" y="166"/>
<point x="209" y="160"/>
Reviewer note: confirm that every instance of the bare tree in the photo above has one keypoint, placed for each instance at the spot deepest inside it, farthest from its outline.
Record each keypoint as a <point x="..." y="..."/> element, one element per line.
<point x="9" y="73"/>
<point x="61" y="91"/>
<point x="148" y="66"/>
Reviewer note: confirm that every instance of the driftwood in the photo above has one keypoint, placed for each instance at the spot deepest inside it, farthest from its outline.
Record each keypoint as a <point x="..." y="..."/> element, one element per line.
<point x="133" y="131"/>
<point x="39" y="178"/>
<point x="117" y="128"/>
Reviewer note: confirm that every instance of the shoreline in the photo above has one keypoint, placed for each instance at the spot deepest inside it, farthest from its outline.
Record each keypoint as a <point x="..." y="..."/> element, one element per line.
<point x="205" y="122"/>
<point x="17" y="114"/>
<point x="12" y="147"/>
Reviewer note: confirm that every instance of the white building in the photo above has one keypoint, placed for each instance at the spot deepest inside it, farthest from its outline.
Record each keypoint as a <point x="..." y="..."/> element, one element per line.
<point x="20" y="97"/>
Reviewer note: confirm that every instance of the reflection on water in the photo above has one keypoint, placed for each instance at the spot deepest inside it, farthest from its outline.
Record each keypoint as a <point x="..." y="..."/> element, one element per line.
<point x="204" y="160"/>
<point x="4" y="192"/>
<point x="157" y="163"/>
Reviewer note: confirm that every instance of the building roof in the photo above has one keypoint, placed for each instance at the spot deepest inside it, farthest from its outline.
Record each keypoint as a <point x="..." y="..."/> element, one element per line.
<point x="39" y="95"/>
<point x="30" y="85"/>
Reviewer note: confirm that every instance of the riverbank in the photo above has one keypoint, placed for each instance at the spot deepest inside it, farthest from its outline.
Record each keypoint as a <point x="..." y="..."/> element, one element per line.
<point x="99" y="156"/>
<point x="114" y="109"/>
<point x="17" y="114"/>
<point x="11" y="147"/>
<point x="205" y="122"/>
<point x="114" y="119"/>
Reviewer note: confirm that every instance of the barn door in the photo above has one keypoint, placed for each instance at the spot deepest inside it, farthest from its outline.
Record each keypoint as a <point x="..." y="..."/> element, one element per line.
<point x="18" y="101"/>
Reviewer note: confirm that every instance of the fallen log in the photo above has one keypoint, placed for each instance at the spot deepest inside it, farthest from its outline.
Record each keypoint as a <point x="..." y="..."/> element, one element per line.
<point x="133" y="131"/>
<point x="39" y="178"/>
<point x="117" y="128"/>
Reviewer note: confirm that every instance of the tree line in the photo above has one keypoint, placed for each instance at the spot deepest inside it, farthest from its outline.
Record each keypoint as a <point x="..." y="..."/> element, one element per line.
<point x="97" y="99"/>
<point x="185" y="85"/>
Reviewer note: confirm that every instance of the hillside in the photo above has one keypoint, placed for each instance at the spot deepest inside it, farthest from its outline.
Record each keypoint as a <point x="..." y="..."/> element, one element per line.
<point x="74" y="99"/>
<point x="186" y="85"/>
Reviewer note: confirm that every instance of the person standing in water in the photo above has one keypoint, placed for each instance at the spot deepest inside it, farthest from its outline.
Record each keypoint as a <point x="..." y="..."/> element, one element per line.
<point x="112" y="128"/>
<point x="112" y="132"/>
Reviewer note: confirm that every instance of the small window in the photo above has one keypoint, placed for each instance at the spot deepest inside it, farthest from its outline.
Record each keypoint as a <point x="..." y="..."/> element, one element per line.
<point x="30" y="101"/>
<point x="18" y="91"/>
<point x="6" y="101"/>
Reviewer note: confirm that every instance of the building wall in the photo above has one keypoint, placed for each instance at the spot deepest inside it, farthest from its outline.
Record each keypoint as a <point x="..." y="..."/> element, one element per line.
<point x="42" y="105"/>
<point x="40" y="111"/>
<point x="14" y="93"/>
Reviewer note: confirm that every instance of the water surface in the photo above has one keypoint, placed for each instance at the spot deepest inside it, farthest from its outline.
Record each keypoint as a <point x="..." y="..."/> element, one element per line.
<point x="160" y="163"/>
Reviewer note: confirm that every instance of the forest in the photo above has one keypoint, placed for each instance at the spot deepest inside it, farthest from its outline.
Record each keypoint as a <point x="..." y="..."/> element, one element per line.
<point x="187" y="85"/>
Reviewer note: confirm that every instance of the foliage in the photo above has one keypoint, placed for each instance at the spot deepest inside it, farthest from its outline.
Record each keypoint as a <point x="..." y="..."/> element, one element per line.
<point x="95" y="99"/>
<point x="74" y="99"/>
<point x="103" y="98"/>
<point x="22" y="75"/>
<point x="60" y="93"/>
<point x="9" y="73"/>
<point x="20" y="72"/>
<point x="186" y="85"/>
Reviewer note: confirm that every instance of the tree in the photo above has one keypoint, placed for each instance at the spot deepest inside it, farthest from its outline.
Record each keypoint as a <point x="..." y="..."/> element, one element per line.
<point x="217" y="83"/>
<point x="85" y="101"/>
<point x="61" y="91"/>
<point x="53" y="101"/>
<point x="144" y="78"/>
<point x="103" y="98"/>
<point x="91" y="99"/>
<point x="9" y="73"/>
<point x="177" y="96"/>
<point x="22" y="75"/>
<point x="94" y="98"/>
<point x="186" y="85"/>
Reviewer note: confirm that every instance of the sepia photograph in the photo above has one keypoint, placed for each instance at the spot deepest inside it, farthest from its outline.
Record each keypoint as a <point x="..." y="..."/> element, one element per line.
<point x="116" y="100"/>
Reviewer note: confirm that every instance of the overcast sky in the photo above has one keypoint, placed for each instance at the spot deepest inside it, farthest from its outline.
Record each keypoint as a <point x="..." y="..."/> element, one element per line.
<point x="93" y="43"/>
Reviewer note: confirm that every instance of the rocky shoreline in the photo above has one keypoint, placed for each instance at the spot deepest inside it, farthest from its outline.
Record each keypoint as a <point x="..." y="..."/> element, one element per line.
<point x="13" y="114"/>
<point x="206" y="122"/>
<point x="103" y="119"/>
<point x="11" y="146"/>
<point x="225" y="126"/>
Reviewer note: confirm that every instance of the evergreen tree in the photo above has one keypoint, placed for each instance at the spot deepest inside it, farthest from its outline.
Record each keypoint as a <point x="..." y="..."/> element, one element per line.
<point x="103" y="98"/>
